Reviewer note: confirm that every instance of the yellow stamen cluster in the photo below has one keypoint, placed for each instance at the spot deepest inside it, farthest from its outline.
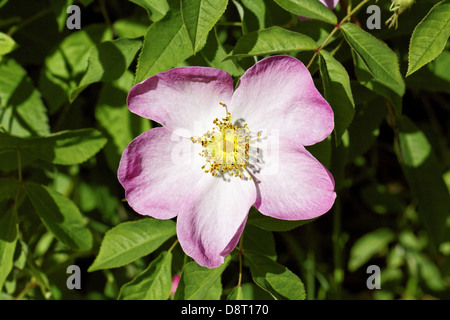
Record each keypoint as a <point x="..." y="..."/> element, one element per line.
<point x="225" y="148"/>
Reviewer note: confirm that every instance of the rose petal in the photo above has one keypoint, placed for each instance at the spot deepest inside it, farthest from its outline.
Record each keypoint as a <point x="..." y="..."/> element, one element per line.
<point x="211" y="224"/>
<point x="185" y="100"/>
<point x="157" y="170"/>
<point x="296" y="186"/>
<point x="331" y="4"/>
<point x="278" y="93"/>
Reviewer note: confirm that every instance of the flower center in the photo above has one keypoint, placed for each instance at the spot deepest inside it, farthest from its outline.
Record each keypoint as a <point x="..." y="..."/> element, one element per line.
<point x="226" y="148"/>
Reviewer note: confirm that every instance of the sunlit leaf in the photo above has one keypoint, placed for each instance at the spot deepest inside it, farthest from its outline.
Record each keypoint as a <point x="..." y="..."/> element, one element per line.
<point x="60" y="215"/>
<point x="429" y="37"/>
<point x="200" y="16"/>
<point x="196" y="281"/>
<point x="368" y="245"/>
<point x="337" y="91"/>
<point x="271" y="41"/>
<point x="154" y="283"/>
<point x="380" y="60"/>
<point x="278" y="280"/>
<point x="107" y="62"/>
<point x="166" y="44"/>
<point x="156" y="9"/>
<point x="132" y="240"/>
<point x="308" y="8"/>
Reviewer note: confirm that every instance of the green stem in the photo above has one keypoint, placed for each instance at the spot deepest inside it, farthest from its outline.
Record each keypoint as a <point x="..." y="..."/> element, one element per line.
<point x="241" y="252"/>
<point x="336" y="28"/>
<point x="173" y="246"/>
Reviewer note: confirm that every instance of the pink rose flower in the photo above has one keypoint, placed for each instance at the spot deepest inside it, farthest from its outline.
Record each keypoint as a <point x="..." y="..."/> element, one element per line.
<point x="220" y="151"/>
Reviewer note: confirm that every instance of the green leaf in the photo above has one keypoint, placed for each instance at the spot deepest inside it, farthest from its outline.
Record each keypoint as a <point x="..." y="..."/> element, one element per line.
<point x="393" y="93"/>
<point x="22" y="112"/>
<point x="308" y="8"/>
<point x="258" y="10"/>
<point x="272" y="224"/>
<point x="259" y="240"/>
<point x="214" y="55"/>
<point x="196" y="281"/>
<point x="9" y="230"/>
<point x="368" y="245"/>
<point x="107" y="62"/>
<point x="269" y="41"/>
<point x="236" y="294"/>
<point x="337" y="91"/>
<point x="8" y="188"/>
<point x="132" y="240"/>
<point x="199" y="17"/>
<point x="215" y="292"/>
<point x="7" y="44"/>
<point x="66" y="65"/>
<point x="60" y="215"/>
<point x="380" y="60"/>
<point x="63" y="148"/>
<point x="424" y="176"/>
<point x="429" y="37"/>
<point x="59" y="9"/>
<point x="156" y="9"/>
<point x="276" y="279"/>
<point x="166" y="44"/>
<point x="118" y="124"/>
<point x="154" y="283"/>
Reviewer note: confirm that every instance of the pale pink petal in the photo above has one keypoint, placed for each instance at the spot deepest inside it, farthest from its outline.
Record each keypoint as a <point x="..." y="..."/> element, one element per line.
<point x="296" y="186"/>
<point x="211" y="224"/>
<point x="331" y="4"/>
<point x="185" y="100"/>
<point x="157" y="170"/>
<point x="278" y="94"/>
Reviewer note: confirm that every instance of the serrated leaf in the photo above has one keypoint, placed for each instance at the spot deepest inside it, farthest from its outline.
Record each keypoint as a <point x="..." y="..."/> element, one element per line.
<point x="337" y="91"/>
<point x="107" y="62"/>
<point x="422" y="172"/>
<point x="380" y="60"/>
<point x="429" y="37"/>
<point x="60" y="215"/>
<point x="9" y="231"/>
<point x="156" y="9"/>
<point x="196" y="281"/>
<point x="132" y="240"/>
<point x="166" y="44"/>
<point x="393" y="93"/>
<point x="63" y="148"/>
<point x="7" y="44"/>
<point x="308" y="8"/>
<point x="368" y="245"/>
<point x="276" y="279"/>
<point x="199" y="17"/>
<point x="22" y="111"/>
<point x="269" y="41"/>
<point x="154" y="283"/>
